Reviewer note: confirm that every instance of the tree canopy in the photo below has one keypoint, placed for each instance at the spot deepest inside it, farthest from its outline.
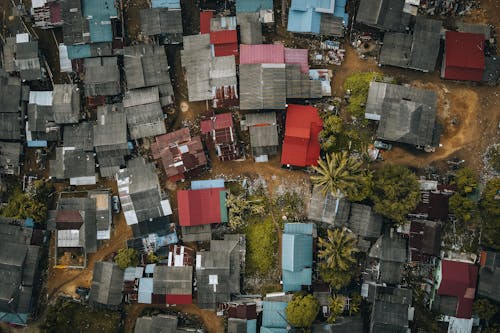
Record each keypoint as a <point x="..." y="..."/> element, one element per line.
<point x="127" y="258"/>
<point x="490" y="213"/>
<point x="395" y="192"/>
<point x="23" y="205"/>
<point x="359" y="84"/>
<point x="337" y="304"/>
<point x="466" y="180"/>
<point x="463" y="208"/>
<point x="302" y="310"/>
<point x="341" y="173"/>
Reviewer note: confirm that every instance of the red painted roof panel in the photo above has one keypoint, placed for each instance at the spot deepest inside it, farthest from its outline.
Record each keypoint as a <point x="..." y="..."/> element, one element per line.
<point x="179" y="299"/>
<point x="464" y="58"/>
<point x="205" y="17"/>
<point x="197" y="207"/>
<point x="298" y="56"/>
<point x="262" y="54"/>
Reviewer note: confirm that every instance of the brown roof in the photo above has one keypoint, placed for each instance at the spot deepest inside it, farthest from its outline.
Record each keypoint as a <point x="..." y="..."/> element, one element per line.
<point x="68" y="220"/>
<point x="243" y="311"/>
<point x="425" y="239"/>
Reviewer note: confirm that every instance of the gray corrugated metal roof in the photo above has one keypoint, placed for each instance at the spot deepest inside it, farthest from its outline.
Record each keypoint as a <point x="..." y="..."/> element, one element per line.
<point x="331" y="25"/>
<point x="146" y="65"/>
<point x="75" y="27"/>
<point x="329" y="209"/>
<point x="66" y="103"/>
<point x="10" y="126"/>
<point x="161" y="21"/>
<point x="383" y="14"/>
<point x="107" y="283"/>
<point x="364" y="222"/>
<point x="102" y="76"/>
<point x="172" y="280"/>
<point x="10" y="93"/>
<point x="250" y="28"/>
<point x="79" y="136"/>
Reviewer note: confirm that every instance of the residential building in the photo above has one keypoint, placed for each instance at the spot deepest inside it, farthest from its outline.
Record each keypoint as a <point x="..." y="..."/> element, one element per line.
<point x="181" y="155"/>
<point x="386" y="15"/>
<point x="301" y="146"/>
<point x="250" y="28"/>
<point x="19" y="259"/>
<point x="139" y="191"/>
<point x="79" y="137"/>
<point x="297" y="256"/>
<point x="434" y="202"/>
<point x="489" y="275"/>
<point x="104" y="216"/>
<point x="76" y="165"/>
<point x="102" y="76"/>
<point x="405" y="114"/>
<point x="107" y="284"/>
<point x="110" y="139"/>
<point x="237" y="325"/>
<point x="173" y="284"/>
<point x="144" y="113"/>
<point x="274" y="317"/>
<point x="223" y="34"/>
<point x="365" y="223"/>
<point x="218" y="132"/>
<point x="47" y="14"/>
<point x="391" y="250"/>
<point x="264" y="8"/>
<point x="41" y="126"/>
<point x="160" y="323"/>
<point x="218" y="271"/>
<point x="21" y="55"/>
<point x="329" y="208"/>
<point x="10" y="154"/>
<point x="391" y="309"/>
<point x="464" y="56"/>
<point x="66" y="103"/>
<point x="418" y="50"/>
<point x="263" y="130"/>
<point x="163" y="20"/>
<point x="424" y="240"/>
<point x="316" y="17"/>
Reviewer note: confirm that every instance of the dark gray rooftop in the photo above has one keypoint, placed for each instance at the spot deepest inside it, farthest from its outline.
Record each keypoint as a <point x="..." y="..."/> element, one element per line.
<point x="196" y="57"/>
<point x="146" y="65"/>
<point x="364" y="222"/>
<point x="386" y="15"/>
<point x="66" y="103"/>
<point x="72" y="164"/>
<point x="144" y="113"/>
<point x="262" y="86"/>
<point x="331" y="25"/>
<point x="489" y="275"/>
<point x="107" y="284"/>
<point x="197" y="233"/>
<point x="102" y="76"/>
<point x="10" y="126"/>
<point x="162" y="21"/>
<point x="250" y="28"/>
<point x="87" y="208"/>
<point x="75" y="27"/>
<point x="173" y="280"/>
<point x="390" y="310"/>
<point x="28" y="62"/>
<point x="9" y="157"/>
<point x="263" y="130"/>
<point x="10" y="93"/>
<point x="158" y="324"/>
<point x="328" y="209"/>
<point x="79" y="136"/>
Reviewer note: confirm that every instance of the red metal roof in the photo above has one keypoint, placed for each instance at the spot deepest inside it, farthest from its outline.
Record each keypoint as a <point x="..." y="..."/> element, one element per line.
<point x="262" y="54"/>
<point x="55" y="12"/>
<point x="459" y="279"/>
<point x="298" y="56"/>
<point x="179" y="299"/>
<point x="301" y="144"/>
<point x="222" y="50"/>
<point x="197" y="207"/>
<point x="205" y="17"/>
<point x="223" y="37"/>
<point x="220" y="121"/>
<point x="464" y="58"/>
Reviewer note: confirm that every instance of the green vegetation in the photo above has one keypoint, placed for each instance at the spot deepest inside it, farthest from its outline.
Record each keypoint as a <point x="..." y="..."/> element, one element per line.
<point x="395" y="192"/>
<point x="30" y="204"/>
<point x="338" y="135"/>
<point x="262" y="245"/>
<point x="484" y="309"/>
<point x="127" y="258"/>
<point x="289" y="204"/>
<point x="463" y="208"/>
<point x="466" y="180"/>
<point x="490" y="213"/>
<point x="493" y="157"/>
<point x="355" y="303"/>
<point x="302" y="310"/>
<point x="241" y="208"/>
<point x="341" y="173"/>
<point x="337" y="257"/>
<point x="337" y="304"/>
<point x="359" y="84"/>
<point x="67" y="316"/>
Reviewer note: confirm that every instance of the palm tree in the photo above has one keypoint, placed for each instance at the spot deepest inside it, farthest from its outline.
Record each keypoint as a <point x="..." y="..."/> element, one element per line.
<point x="337" y="250"/>
<point x="337" y="304"/>
<point x="340" y="173"/>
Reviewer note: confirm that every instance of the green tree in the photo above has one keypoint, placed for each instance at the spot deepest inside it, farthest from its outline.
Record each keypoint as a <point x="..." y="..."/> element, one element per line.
<point x="338" y="249"/>
<point x="302" y="310"/>
<point x="466" y="180"/>
<point x="341" y="173"/>
<point x="337" y="279"/>
<point x="337" y="304"/>
<point x="152" y="258"/>
<point x="463" y="208"/>
<point x="359" y="84"/>
<point x="395" y="192"/>
<point x="490" y="213"/>
<point x="241" y="208"/>
<point x="484" y="309"/>
<point x="23" y="205"/>
<point x="355" y="303"/>
<point x="127" y="258"/>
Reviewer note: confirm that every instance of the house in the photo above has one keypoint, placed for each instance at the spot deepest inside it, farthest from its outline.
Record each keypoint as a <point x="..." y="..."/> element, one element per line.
<point x="144" y="113"/>
<point x="219" y="133"/>
<point x="102" y="76"/>
<point x="405" y="114"/>
<point x="315" y="17"/>
<point x="173" y="284"/>
<point x="10" y="153"/>
<point x="47" y="14"/>
<point x="297" y="256"/>
<point x="163" y="19"/>
<point x="365" y="223"/>
<point x="203" y="205"/>
<point x="274" y="317"/>
<point x="271" y="73"/>
<point x="218" y="271"/>
<point x="146" y="66"/>
<point x="237" y="325"/>
<point x="330" y="209"/>
<point x="424" y="240"/>
<point x="385" y="15"/>
<point x="107" y="283"/>
<point x="99" y="15"/>
<point x="391" y="309"/>
<point x="160" y="323"/>
<point x="324" y="76"/>
<point x="434" y="203"/>
<point x="263" y="129"/>
<point x="75" y="29"/>
<point x="76" y="165"/>
<point x="103" y="213"/>
<point x="40" y="126"/>
<point x="139" y="191"/>
<point x="110" y="139"/>
<point x="10" y="95"/>
<point x="250" y="28"/>
<point x="66" y="103"/>
<point x="26" y="58"/>
<point x="301" y="144"/>
<point x="391" y="250"/>
<point x="264" y="8"/>
<point x="18" y="272"/>
<point x="10" y="124"/>
<point x="489" y="275"/>
<point x="208" y="77"/>
<point x="223" y="34"/>
<point x="417" y="51"/>
<point x="76" y="230"/>
<point x="455" y="288"/>
<point x="79" y="136"/>
<point x="463" y="57"/>
<point x="181" y="155"/>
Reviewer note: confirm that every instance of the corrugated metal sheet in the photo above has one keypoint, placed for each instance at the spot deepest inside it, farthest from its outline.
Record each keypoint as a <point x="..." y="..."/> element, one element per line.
<point x="145" y="291"/>
<point x="464" y="56"/>
<point x="250" y="6"/>
<point x="262" y="54"/>
<point x="174" y="4"/>
<point x="273" y="314"/>
<point x="209" y="183"/>
<point x="298" y="56"/>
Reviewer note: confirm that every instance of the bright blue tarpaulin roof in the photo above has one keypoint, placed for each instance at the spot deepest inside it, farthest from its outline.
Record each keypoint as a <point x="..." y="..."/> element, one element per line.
<point x="304" y="16"/>
<point x="252" y="6"/>
<point x="37" y="143"/>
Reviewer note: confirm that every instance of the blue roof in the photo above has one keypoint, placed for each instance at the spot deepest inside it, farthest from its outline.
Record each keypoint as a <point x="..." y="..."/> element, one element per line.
<point x="293" y="281"/>
<point x="150" y="268"/>
<point x="78" y="51"/>
<point x="299" y="228"/>
<point x="29" y="223"/>
<point x="273" y="314"/>
<point x="252" y="6"/>
<point x="99" y="14"/>
<point x="37" y="143"/>
<point x="145" y="290"/>
<point x="252" y="326"/>
<point x="297" y="252"/>
<point x="272" y="330"/>
<point x="304" y="17"/>
<point x="14" y="318"/>
<point x="172" y="238"/>
<point x="174" y="4"/>
<point x="209" y="183"/>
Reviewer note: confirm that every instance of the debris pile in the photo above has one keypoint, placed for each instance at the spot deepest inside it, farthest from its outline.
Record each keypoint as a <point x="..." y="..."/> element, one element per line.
<point x="329" y="53"/>
<point x="447" y="7"/>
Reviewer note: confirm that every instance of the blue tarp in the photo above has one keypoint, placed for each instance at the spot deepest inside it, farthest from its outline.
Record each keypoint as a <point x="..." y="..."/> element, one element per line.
<point x="37" y="143"/>
<point x="209" y="183"/>
<point x="174" y="4"/>
<point x="252" y="6"/>
<point x="273" y="314"/>
<point x="78" y="51"/>
<point x="29" y="223"/>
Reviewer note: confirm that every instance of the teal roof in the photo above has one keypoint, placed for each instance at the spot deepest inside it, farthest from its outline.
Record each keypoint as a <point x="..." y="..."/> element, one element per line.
<point x="99" y="14"/>
<point x="14" y="318"/>
<point x="78" y="51"/>
<point x="293" y="281"/>
<point x="208" y="183"/>
<point x="273" y="314"/>
<point x="299" y="228"/>
<point x="252" y="326"/>
<point x="272" y="330"/>
<point x="252" y="6"/>
<point x="297" y="252"/>
<point x="173" y="4"/>
<point x="304" y="17"/>
<point x="223" y="207"/>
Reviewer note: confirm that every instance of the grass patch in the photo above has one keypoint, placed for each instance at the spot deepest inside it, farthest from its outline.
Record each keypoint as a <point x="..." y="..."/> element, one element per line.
<point x="262" y="246"/>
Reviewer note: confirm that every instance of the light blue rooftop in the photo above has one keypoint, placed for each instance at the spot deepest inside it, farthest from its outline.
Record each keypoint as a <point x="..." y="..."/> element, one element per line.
<point x="99" y="14"/>
<point x="78" y="51"/>
<point x="252" y="6"/>
<point x="299" y="228"/>
<point x="252" y="326"/>
<point x="273" y="314"/>
<point x="304" y="16"/>
<point x="209" y="183"/>
<point x="174" y="4"/>
<point x="273" y="330"/>
<point x="293" y="281"/>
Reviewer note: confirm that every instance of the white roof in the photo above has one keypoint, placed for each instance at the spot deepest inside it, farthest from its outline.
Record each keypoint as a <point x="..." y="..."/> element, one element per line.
<point x="38" y="3"/>
<point x="68" y="238"/>
<point x="41" y="98"/>
<point x="64" y="62"/>
<point x="22" y="38"/>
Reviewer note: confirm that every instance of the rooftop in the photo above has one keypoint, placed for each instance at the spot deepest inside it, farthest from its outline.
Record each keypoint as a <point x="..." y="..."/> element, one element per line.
<point x="297" y="255"/>
<point x="464" y="56"/>
<point x="102" y="76"/>
<point x="162" y="21"/>
<point x="107" y="284"/>
<point x="489" y="275"/>
<point x="204" y="206"/>
<point x="386" y="15"/>
<point x="144" y="113"/>
<point x="263" y="130"/>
